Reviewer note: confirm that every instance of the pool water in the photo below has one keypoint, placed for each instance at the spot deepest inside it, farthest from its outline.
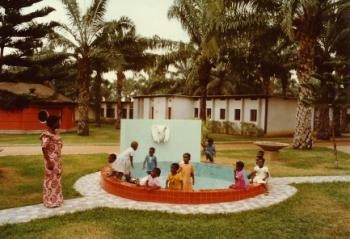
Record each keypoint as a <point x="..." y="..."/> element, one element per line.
<point x="207" y="176"/>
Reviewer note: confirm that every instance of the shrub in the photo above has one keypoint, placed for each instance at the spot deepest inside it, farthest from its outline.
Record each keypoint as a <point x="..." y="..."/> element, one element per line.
<point x="249" y="129"/>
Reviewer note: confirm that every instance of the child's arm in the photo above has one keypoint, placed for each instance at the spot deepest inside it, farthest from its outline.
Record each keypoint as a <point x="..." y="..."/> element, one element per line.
<point x="267" y="176"/>
<point x="131" y="161"/>
<point x="144" y="164"/>
<point x="155" y="162"/>
<point x="167" y="183"/>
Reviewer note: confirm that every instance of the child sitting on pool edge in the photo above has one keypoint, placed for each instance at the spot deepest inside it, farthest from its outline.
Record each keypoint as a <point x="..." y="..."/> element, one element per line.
<point x="261" y="174"/>
<point x="238" y="175"/>
<point x="151" y="182"/>
<point x="174" y="179"/>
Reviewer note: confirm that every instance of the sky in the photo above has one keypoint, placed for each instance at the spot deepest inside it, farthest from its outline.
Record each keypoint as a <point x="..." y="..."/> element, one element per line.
<point x="149" y="16"/>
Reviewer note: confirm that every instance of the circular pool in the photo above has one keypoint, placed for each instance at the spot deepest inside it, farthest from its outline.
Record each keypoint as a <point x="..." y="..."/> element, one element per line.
<point x="211" y="186"/>
<point x="207" y="176"/>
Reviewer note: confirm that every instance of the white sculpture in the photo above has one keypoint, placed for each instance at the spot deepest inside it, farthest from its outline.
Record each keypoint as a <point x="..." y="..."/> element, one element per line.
<point x="160" y="133"/>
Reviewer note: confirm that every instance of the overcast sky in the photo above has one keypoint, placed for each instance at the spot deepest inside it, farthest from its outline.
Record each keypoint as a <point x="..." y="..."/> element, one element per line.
<point x="149" y="16"/>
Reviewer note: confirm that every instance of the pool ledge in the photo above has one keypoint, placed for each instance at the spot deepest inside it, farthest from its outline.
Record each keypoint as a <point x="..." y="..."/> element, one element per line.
<point x="131" y="191"/>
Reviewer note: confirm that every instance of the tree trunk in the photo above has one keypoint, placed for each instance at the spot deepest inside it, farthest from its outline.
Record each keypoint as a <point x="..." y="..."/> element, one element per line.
<point x="305" y="68"/>
<point x="83" y="97"/>
<point x="322" y="123"/>
<point x="335" y="151"/>
<point x="204" y="69"/>
<point x="337" y="120"/>
<point x="97" y="103"/>
<point x="119" y="88"/>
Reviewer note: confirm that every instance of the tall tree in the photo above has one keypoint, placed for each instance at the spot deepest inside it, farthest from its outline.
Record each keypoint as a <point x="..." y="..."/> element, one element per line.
<point x="21" y="39"/>
<point x="79" y="36"/>
<point x="129" y="51"/>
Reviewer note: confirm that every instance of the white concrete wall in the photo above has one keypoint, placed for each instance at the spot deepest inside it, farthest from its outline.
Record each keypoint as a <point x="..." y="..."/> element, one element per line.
<point x="181" y="108"/>
<point x="233" y="105"/>
<point x="218" y="105"/>
<point x="159" y="107"/>
<point x="281" y="117"/>
<point x="250" y="104"/>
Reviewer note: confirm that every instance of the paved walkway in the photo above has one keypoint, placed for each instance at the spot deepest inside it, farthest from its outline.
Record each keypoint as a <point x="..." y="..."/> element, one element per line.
<point x="94" y="196"/>
<point x="96" y="149"/>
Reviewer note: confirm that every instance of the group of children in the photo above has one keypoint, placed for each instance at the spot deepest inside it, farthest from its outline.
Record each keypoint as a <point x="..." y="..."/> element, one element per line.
<point x="181" y="175"/>
<point x="259" y="175"/>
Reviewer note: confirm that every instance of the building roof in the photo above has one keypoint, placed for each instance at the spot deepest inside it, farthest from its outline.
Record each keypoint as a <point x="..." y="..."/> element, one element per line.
<point x="214" y="96"/>
<point x="41" y="92"/>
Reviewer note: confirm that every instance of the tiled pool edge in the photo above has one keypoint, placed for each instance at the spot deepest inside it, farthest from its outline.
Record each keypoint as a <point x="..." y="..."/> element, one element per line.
<point x="94" y="196"/>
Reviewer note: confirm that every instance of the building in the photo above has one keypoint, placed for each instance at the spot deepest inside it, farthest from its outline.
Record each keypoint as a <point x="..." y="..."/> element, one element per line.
<point x="42" y="97"/>
<point x="272" y="114"/>
<point x="109" y="111"/>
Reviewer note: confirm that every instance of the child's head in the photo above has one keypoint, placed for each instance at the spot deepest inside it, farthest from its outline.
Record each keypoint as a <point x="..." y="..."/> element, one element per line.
<point x="210" y="141"/>
<point x="260" y="162"/>
<point x="239" y="165"/>
<point x="155" y="172"/>
<point x="151" y="151"/>
<point x="53" y="122"/>
<point x="186" y="157"/>
<point x="134" y="145"/>
<point x="260" y="154"/>
<point x="112" y="158"/>
<point x="174" y="167"/>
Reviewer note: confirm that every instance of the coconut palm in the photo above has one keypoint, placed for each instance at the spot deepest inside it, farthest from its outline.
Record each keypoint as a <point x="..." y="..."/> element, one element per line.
<point x="79" y="36"/>
<point x="121" y="39"/>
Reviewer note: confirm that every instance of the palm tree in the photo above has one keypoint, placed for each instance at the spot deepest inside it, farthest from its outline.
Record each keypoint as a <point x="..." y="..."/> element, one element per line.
<point x="124" y="44"/>
<point x="79" y="36"/>
<point x="198" y="20"/>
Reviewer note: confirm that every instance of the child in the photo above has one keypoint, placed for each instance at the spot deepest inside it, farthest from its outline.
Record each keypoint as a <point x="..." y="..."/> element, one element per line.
<point x="238" y="174"/>
<point x="259" y="155"/>
<point x="209" y="150"/>
<point x="151" y="182"/>
<point x="150" y="160"/>
<point x="187" y="173"/>
<point x="261" y="173"/>
<point x="111" y="158"/>
<point x="124" y="162"/>
<point x="174" y="180"/>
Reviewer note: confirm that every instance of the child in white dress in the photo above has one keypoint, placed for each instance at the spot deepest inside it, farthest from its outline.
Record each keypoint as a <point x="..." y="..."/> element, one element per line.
<point x="261" y="173"/>
<point x="151" y="182"/>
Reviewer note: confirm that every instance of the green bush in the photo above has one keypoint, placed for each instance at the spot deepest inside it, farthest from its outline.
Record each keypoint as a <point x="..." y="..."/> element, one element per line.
<point x="249" y="129"/>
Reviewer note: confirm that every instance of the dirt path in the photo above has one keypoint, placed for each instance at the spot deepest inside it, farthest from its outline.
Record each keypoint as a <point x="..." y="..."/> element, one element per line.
<point x="95" y="149"/>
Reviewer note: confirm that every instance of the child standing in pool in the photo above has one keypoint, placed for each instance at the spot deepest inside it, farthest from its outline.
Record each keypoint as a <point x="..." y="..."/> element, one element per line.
<point x="174" y="179"/>
<point x="238" y="175"/>
<point x="187" y="173"/>
<point x="150" y="160"/>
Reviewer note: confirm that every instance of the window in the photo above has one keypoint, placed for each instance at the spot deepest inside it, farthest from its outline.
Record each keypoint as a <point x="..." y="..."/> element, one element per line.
<point x="110" y="113"/>
<point x="131" y="113"/>
<point x="237" y="114"/>
<point x="253" y="115"/>
<point x="169" y="112"/>
<point x="124" y="113"/>
<point x="196" y="112"/>
<point x="222" y="114"/>
<point x="208" y="113"/>
<point x="102" y="112"/>
<point x="152" y="112"/>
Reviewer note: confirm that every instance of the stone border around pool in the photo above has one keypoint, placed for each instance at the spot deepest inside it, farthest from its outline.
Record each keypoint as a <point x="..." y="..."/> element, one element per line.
<point x="203" y="196"/>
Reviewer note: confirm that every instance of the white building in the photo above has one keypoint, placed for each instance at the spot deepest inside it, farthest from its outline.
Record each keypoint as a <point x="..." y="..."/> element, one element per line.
<point x="274" y="115"/>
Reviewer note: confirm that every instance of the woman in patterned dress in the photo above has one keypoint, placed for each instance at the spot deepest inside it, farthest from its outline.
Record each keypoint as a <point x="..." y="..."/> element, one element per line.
<point x="51" y="145"/>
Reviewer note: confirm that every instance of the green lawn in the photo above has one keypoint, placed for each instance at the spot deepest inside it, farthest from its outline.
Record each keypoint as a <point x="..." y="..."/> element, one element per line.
<point x="106" y="134"/>
<point x="21" y="177"/>
<point x="319" y="161"/>
<point x="316" y="211"/>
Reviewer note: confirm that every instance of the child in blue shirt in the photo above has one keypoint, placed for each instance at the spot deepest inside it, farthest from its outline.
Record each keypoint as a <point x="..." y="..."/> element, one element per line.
<point x="150" y="160"/>
<point x="209" y="150"/>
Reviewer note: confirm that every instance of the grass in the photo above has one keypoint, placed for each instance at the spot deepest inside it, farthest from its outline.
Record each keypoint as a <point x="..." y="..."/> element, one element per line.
<point x="316" y="211"/>
<point x="106" y="134"/>
<point x="23" y="176"/>
<point x="319" y="161"/>
<point x="241" y="138"/>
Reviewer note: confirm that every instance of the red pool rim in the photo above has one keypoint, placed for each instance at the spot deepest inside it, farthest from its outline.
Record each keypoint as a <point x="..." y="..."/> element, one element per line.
<point x="203" y="196"/>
